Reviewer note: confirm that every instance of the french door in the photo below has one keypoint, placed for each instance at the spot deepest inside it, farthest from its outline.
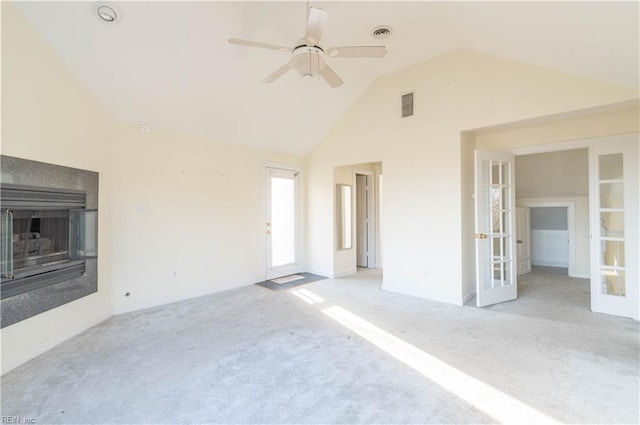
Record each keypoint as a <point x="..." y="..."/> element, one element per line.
<point x="614" y="227"/>
<point x="283" y="241"/>
<point x="495" y="228"/>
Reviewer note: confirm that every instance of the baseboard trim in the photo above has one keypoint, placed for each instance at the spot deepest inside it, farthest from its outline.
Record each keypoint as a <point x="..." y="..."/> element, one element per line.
<point x="580" y="275"/>
<point x="156" y="302"/>
<point x="344" y="273"/>
<point x="419" y="294"/>
<point x="551" y="264"/>
<point x="46" y="345"/>
<point x="468" y="297"/>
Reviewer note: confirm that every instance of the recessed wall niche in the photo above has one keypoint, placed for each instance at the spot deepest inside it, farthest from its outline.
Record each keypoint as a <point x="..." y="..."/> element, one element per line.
<point x="49" y="237"/>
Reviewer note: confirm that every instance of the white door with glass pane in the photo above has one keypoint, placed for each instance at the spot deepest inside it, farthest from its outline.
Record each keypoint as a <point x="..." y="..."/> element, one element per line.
<point x="495" y="228"/>
<point x="614" y="226"/>
<point x="282" y="227"/>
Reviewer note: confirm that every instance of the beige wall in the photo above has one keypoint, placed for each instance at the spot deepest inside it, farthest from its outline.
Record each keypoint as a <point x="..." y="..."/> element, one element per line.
<point x="48" y="115"/>
<point x="168" y="201"/>
<point x="422" y="207"/>
<point x="189" y="214"/>
<point x="616" y="119"/>
<point x="553" y="174"/>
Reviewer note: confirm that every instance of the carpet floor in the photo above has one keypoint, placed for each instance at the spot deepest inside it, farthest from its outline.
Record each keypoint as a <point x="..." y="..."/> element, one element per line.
<point x="342" y="351"/>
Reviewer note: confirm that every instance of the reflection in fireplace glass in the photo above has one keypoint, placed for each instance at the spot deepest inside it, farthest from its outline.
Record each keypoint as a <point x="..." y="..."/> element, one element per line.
<point x="39" y="237"/>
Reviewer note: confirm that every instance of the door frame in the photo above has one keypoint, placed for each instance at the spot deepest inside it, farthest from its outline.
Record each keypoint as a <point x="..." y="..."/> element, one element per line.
<point x="527" y="213"/>
<point x="372" y="244"/>
<point x="588" y="144"/>
<point x="571" y="228"/>
<point x="300" y="222"/>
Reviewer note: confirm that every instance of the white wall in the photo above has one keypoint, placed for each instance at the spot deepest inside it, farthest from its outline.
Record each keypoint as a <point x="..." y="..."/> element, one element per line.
<point x="610" y="119"/>
<point x="168" y="201"/>
<point x="49" y="116"/>
<point x="188" y="205"/>
<point x="422" y="207"/>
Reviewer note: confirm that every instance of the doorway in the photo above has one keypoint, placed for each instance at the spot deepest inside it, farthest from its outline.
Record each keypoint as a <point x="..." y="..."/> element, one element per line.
<point x="363" y="183"/>
<point x="282" y="233"/>
<point x="553" y="239"/>
<point x="606" y="219"/>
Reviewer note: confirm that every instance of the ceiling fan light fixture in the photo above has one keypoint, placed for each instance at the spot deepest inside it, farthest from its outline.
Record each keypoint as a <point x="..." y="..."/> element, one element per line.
<point x="381" y="32"/>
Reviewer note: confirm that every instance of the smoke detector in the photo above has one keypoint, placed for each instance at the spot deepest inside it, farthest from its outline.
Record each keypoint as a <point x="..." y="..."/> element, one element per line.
<point x="382" y="32"/>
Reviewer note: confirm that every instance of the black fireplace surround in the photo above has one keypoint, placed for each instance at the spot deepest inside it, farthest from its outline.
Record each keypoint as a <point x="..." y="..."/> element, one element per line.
<point x="48" y="237"/>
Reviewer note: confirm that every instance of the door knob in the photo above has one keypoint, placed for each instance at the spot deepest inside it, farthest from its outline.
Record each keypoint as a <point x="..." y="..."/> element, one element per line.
<point x="518" y="241"/>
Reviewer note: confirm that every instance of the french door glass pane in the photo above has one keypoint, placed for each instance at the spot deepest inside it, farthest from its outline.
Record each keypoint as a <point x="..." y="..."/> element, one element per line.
<point x="495" y="204"/>
<point x="611" y="230"/>
<point x="283" y="225"/>
<point x="611" y="195"/>
<point x="613" y="282"/>
<point x="612" y="224"/>
<point x="612" y="253"/>
<point x="610" y="167"/>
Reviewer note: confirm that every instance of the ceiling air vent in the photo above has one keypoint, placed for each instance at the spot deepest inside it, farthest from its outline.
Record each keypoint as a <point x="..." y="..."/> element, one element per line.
<point x="407" y="105"/>
<point x="382" y="32"/>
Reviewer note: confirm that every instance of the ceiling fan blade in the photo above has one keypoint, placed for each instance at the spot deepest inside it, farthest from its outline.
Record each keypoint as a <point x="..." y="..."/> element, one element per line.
<point x="277" y="73"/>
<point x="259" y="44"/>
<point x="331" y="77"/>
<point x="357" y="52"/>
<point x="315" y="25"/>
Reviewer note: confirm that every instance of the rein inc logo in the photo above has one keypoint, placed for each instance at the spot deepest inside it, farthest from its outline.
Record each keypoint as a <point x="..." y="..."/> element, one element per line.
<point x="18" y="420"/>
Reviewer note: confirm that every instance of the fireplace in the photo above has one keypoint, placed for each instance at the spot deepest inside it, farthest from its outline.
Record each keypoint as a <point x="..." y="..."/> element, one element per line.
<point x="48" y="237"/>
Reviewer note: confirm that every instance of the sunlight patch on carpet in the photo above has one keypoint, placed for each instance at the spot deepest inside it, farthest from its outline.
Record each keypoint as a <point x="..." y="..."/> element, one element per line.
<point x="500" y="406"/>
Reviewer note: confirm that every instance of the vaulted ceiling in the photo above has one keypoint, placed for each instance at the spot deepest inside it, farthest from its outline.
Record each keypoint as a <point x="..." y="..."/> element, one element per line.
<point x="168" y="64"/>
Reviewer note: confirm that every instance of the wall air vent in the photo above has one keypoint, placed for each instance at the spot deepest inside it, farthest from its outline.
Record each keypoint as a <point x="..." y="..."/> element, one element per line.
<point x="407" y="105"/>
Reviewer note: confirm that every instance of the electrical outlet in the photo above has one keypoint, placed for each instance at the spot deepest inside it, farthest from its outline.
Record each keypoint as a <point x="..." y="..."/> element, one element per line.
<point x="174" y="274"/>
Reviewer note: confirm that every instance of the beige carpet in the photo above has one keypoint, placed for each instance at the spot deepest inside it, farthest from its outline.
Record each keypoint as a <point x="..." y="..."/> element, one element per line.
<point x="342" y="351"/>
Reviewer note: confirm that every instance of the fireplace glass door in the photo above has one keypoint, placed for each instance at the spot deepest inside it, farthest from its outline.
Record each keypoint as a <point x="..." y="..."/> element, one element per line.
<point x="39" y="237"/>
<point x="41" y="247"/>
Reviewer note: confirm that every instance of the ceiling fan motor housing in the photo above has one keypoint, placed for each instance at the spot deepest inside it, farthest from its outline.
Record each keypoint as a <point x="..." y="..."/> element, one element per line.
<point x="308" y="60"/>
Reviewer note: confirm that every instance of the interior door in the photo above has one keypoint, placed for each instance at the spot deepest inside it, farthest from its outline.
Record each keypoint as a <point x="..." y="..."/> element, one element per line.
<point x="362" y="224"/>
<point x="523" y="239"/>
<point x="614" y="227"/>
<point x="283" y="222"/>
<point x="495" y="227"/>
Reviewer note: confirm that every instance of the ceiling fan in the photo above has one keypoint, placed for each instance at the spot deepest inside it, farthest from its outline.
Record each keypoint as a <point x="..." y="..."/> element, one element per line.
<point x="308" y="58"/>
